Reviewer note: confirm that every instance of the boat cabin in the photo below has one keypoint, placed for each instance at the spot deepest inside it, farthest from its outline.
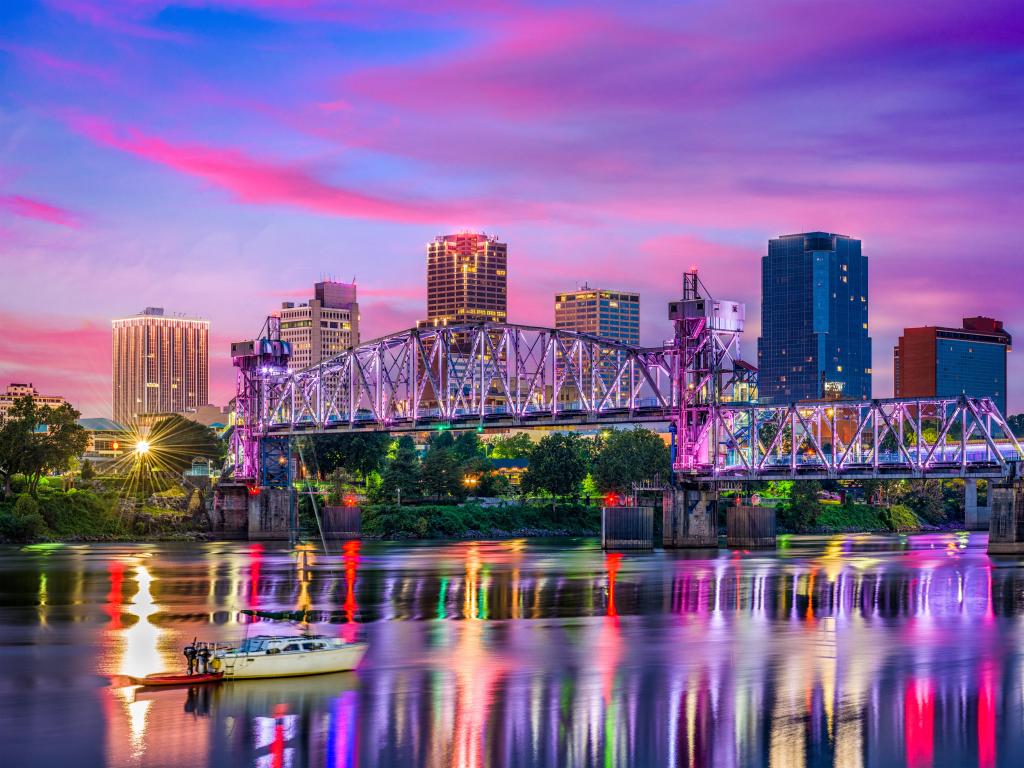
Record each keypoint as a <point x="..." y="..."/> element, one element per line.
<point x="271" y="644"/>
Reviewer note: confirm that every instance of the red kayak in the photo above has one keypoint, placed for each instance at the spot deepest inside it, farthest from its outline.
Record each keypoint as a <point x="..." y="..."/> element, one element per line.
<point x="163" y="678"/>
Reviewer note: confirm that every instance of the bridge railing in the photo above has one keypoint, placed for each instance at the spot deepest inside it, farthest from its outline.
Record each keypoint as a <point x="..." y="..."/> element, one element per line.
<point x="485" y="372"/>
<point x="923" y="437"/>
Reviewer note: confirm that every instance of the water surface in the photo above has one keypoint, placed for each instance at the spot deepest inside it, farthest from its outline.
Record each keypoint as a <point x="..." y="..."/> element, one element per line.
<point x="846" y="651"/>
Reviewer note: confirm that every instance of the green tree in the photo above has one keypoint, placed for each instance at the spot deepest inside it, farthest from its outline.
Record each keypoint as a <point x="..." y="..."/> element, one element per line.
<point x="440" y="474"/>
<point x="37" y="439"/>
<point x="558" y="465"/>
<point x="28" y="518"/>
<point x="15" y="439"/>
<point x="630" y="456"/>
<point x="802" y="510"/>
<point x="174" y="441"/>
<point x="401" y="476"/>
<point x="360" y="453"/>
<point x="467" y="446"/>
<point x="517" y="446"/>
<point x="87" y="472"/>
<point x="1016" y="424"/>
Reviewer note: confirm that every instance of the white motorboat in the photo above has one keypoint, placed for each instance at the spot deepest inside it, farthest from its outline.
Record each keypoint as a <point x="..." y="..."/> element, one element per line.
<point x="276" y="656"/>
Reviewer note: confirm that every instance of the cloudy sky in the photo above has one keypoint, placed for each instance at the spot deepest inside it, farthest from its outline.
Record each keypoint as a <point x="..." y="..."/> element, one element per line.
<point x="216" y="157"/>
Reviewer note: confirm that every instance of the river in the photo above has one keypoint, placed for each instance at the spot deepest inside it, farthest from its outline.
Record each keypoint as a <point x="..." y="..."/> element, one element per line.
<point x="842" y="651"/>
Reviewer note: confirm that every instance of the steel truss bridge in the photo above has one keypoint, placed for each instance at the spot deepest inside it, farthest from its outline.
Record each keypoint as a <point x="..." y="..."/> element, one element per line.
<point x="517" y="376"/>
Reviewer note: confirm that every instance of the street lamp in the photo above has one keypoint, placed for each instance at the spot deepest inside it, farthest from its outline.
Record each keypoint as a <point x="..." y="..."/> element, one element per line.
<point x="142" y="447"/>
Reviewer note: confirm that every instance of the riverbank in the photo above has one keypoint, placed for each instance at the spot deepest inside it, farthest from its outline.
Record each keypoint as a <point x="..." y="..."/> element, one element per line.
<point x="83" y="515"/>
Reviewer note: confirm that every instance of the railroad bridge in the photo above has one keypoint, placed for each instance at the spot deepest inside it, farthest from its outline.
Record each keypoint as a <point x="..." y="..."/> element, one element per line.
<point x="499" y="376"/>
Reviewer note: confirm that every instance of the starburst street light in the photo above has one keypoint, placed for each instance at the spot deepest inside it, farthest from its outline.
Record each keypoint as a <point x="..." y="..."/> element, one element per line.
<point x="142" y="447"/>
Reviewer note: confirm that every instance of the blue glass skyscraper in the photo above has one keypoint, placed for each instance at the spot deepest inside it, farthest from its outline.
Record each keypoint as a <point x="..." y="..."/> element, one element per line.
<point x="814" y="319"/>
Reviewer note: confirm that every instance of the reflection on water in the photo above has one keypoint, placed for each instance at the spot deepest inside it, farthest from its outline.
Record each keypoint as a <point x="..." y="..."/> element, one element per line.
<point x="850" y="651"/>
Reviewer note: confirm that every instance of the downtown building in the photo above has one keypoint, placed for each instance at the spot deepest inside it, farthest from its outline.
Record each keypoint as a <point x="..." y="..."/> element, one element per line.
<point x="15" y="392"/>
<point x="814" y="340"/>
<point x="611" y="315"/>
<point x="325" y="326"/>
<point x="948" y="362"/>
<point x="467" y="280"/>
<point x="161" y="364"/>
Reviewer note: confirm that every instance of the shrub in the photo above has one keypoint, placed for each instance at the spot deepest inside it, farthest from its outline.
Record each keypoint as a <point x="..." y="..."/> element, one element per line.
<point x="28" y="520"/>
<point x="900" y="517"/>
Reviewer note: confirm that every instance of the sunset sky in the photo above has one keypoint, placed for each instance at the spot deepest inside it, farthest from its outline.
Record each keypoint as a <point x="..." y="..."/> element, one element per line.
<point x="215" y="157"/>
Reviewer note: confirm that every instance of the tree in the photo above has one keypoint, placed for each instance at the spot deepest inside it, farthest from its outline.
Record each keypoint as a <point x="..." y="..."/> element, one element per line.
<point x="402" y="473"/>
<point x="802" y="511"/>
<point x="1016" y="424"/>
<point x="27" y="517"/>
<point x="360" y="453"/>
<point x="467" y="446"/>
<point x="517" y="446"/>
<point x="630" y="456"/>
<point x="15" y="436"/>
<point x="87" y="472"/>
<point x="174" y="441"/>
<point x="440" y="474"/>
<point x="558" y="465"/>
<point x="38" y="439"/>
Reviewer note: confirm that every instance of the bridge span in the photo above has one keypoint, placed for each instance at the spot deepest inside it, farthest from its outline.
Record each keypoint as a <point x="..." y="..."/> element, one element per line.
<point x="496" y="376"/>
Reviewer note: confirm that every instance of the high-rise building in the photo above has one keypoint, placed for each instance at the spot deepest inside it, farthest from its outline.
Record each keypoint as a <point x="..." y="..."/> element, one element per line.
<point x="16" y="391"/>
<point x="946" y="362"/>
<point x="612" y="315"/>
<point x="324" y="327"/>
<point x="814" y="319"/>
<point x="466" y="280"/>
<point x="161" y="364"/>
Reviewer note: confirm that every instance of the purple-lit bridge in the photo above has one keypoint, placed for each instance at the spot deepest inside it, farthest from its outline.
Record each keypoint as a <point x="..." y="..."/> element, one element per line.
<point x="499" y="376"/>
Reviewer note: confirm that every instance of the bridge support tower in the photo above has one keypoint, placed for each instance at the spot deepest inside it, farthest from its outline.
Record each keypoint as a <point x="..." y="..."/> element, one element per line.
<point x="1006" y="529"/>
<point x="977" y="517"/>
<point x="690" y="515"/>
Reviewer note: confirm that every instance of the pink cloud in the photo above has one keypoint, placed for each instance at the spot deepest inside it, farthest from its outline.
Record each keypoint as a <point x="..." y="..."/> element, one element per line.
<point x="120" y="18"/>
<point x="57" y="66"/>
<point x="59" y="358"/>
<point x="30" y="208"/>
<point x="252" y="180"/>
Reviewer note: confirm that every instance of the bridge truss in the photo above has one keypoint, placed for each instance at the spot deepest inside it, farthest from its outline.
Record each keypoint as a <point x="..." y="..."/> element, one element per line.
<point x="911" y="438"/>
<point x="486" y="374"/>
<point x="502" y="376"/>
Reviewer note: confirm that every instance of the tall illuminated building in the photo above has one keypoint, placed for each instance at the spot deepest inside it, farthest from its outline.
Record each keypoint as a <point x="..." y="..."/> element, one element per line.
<point x="161" y="364"/>
<point x="612" y="315"/>
<point x="814" y="319"/>
<point x="325" y="326"/>
<point x="467" y="280"/>
<point x="931" y="361"/>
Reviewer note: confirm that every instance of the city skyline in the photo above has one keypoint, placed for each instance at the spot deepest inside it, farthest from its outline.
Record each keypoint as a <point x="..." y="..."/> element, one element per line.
<point x="342" y="169"/>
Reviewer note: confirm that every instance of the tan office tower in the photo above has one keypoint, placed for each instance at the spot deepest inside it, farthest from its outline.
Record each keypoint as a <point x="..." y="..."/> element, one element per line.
<point x="161" y="364"/>
<point x="613" y="315"/>
<point x="324" y="327"/>
<point x="466" y="280"/>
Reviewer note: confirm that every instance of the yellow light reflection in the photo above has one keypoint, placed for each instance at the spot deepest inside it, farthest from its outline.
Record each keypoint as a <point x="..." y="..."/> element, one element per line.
<point x="141" y="655"/>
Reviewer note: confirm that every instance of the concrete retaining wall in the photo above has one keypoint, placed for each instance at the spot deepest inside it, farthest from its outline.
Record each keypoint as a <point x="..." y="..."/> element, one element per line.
<point x="750" y="527"/>
<point x="627" y="527"/>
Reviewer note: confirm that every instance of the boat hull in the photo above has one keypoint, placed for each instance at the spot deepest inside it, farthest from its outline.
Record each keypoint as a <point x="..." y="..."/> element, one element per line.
<point x="171" y="680"/>
<point x="243" y="666"/>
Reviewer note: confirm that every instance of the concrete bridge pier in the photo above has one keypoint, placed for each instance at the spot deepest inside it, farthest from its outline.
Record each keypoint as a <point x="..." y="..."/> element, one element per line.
<point x="271" y="513"/>
<point x="1006" y="528"/>
<point x="750" y="527"/>
<point x="976" y="516"/>
<point x="690" y="515"/>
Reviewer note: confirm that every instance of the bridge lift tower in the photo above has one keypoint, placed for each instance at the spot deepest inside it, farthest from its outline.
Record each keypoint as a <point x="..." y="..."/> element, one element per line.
<point x="257" y="501"/>
<point x="707" y="366"/>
